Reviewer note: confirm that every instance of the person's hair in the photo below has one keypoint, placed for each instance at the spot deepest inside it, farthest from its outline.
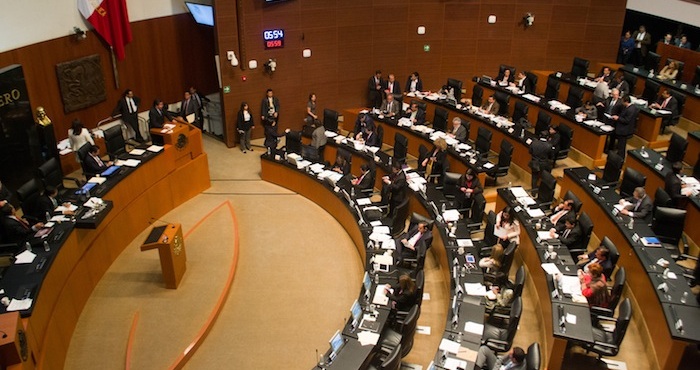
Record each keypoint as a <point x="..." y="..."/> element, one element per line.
<point x="676" y="167"/>
<point x="156" y="102"/>
<point x="396" y="165"/>
<point x="595" y="269"/>
<point x="626" y="99"/>
<point x="457" y="120"/>
<point x="94" y="149"/>
<point x="362" y="116"/>
<point x="640" y="190"/>
<point x="243" y="104"/>
<point x="615" y="90"/>
<point x="77" y="126"/>
<point x="441" y="144"/>
<point x="415" y="74"/>
<point x="470" y="171"/>
<point x="364" y="167"/>
<point x="672" y="64"/>
<point x="268" y="91"/>
<point x="518" y="355"/>
<point x="570" y="219"/>
<point x="378" y="72"/>
<point x="50" y="190"/>
<point x="6" y="209"/>
<point x="511" y="215"/>
<point x="604" y="251"/>
<point x="407" y="284"/>
<point x="126" y="92"/>
<point x="311" y="95"/>
<point x="497" y="254"/>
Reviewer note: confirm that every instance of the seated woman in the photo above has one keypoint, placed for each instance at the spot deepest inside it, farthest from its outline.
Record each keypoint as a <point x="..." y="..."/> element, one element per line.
<point x="493" y="262"/>
<point x="593" y="285"/>
<point x="507" y="228"/>
<point x="402" y="296"/>
<point x="341" y="165"/>
<point x="669" y="72"/>
<point x="434" y="162"/>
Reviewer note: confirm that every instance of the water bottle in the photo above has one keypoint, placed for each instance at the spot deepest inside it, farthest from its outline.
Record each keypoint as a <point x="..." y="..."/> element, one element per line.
<point x="47" y="247"/>
<point x="630" y="225"/>
<point x="28" y="246"/>
<point x="376" y="278"/>
<point x="48" y="216"/>
<point x="390" y="159"/>
<point x="352" y="192"/>
<point x="459" y="337"/>
<point x="442" y="208"/>
<point x="684" y="297"/>
<point x="643" y="150"/>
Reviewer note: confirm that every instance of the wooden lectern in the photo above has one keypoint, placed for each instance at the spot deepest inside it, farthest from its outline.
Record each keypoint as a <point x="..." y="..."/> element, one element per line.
<point x="14" y="348"/>
<point x="171" y="248"/>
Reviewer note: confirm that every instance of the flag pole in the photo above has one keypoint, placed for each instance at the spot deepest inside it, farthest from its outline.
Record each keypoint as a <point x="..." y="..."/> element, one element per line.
<point x="114" y="67"/>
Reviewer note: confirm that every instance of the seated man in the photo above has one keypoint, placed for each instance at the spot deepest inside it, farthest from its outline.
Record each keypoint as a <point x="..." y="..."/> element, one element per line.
<point x="364" y="182"/>
<point x="491" y="106"/>
<point x="561" y="212"/>
<point x="93" y="164"/>
<point x="48" y="202"/>
<point x="666" y="102"/>
<point x="361" y="123"/>
<point x="391" y="107"/>
<point x="522" y="83"/>
<point x="408" y="244"/>
<point x="601" y="256"/>
<point x="486" y="359"/>
<point x="587" y="111"/>
<point x="638" y="205"/>
<point x="458" y="132"/>
<point x="605" y="75"/>
<point x="370" y="137"/>
<point x="16" y="229"/>
<point x="415" y="114"/>
<point x="572" y="236"/>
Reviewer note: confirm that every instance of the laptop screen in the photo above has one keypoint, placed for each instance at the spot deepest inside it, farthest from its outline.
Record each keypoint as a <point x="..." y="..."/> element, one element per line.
<point x="336" y="342"/>
<point x="367" y="282"/>
<point x="356" y="311"/>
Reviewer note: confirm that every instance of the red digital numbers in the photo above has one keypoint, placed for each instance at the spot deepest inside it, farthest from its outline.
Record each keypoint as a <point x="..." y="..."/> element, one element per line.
<point x="273" y="44"/>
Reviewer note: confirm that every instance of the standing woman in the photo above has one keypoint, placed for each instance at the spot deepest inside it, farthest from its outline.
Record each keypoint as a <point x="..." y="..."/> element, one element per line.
<point x="78" y="135"/>
<point x="311" y="115"/>
<point x="507" y="228"/>
<point x="245" y="125"/>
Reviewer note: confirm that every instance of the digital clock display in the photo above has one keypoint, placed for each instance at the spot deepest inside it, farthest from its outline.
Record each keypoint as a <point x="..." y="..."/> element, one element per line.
<point x="273" y="39"/>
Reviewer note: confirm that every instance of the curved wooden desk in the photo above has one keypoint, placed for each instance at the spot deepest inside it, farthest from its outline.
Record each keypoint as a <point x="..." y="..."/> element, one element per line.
<point x="154" y="189"/>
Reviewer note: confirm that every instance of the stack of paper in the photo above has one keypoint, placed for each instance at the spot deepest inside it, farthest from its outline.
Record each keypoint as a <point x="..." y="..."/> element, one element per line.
<point x="535" y="212"/>
<point x="465" y="243"/>
<point x="449" y="346"/>
<point x="367" y="338"/>
<point x="25" y="258"/>
<point x="551" y="268"/>
<point x="519" y="192"/>
<point x="316" y="168"/>
<point x="19" y="304"/>
<point x="476" y="289"/>
<point x="128" y="162"/>
<point x="473" y="327"/>
<point x="97" y="180"/>
<point x="406" y="122"/>
<point x="451" y="215"/>
<point x="137" y="152"/>
<point x="154" y="148"/>
<point x="330" y="134"/>
<point x="545" y="235"/>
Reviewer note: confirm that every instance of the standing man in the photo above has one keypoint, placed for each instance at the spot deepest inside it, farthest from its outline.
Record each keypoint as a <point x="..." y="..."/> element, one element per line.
<point x="201" y="101"/>
<point x="190" y="106"/>
<point x="625" y="125"/>
<point x="375" y="86"/>
<point x="642" y="40"/>
<point x="269" y="114"/>
<point x="541" y="152"/>
<point x="392" y="86"/>
<point x="128" y="107"/>
<point x="157" y="115"/>
<point x="394" y="188"/>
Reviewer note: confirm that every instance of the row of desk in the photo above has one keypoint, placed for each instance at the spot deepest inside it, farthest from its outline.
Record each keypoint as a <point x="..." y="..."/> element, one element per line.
<point x="79" y="257"/>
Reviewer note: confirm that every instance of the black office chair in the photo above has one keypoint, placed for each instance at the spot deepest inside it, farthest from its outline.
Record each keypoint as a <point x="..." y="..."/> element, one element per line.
<point x="440" y="119"/>
<point x="651" y="91"/>
<point x="50" y="174"/>
<point x="696" y="77"/>
<point x="505" y="156"/>
<point x="477" y="212"/>
<point x="467" y="126"/>
<point x="483" y="141"/>
<point x="631" y="179"/>
<point x="516" y="286"/>
<point x="503" y="100"/>
<point x="680" y="65"/>
<point x="477" y="95"/>
<point x="457" y="87"/>
<point x="566" y="136"/>
<point x="613" y="168"/>
<point x="397" y="221"/>
<point x="402" y="335"/>
<point x="501" y="71"/>
<point x="451" y="183"/>
<point x="577" y="202"/>
<point x="615" y="293"/>
<point x="330" y="120"/>
<point x="545" y="193"/>
<point x="413" y="265"/>
<point x="662" y="199"/>
<point x="676" y="148"/>
<point x="667" y="224"/>
<point x="680" y="98"/>
<point x="533" y="357"/>
<point x="520" y="111"/>
<point x="574" y="98"/>
<point x="631" y="81"/>
<point x="28" y="195"/>
<point x="380" y="136"/>
<point x="390" y="361"/>
<point x="293" y="142"/>
<point x="508" y="257"/>
<point x="533" y="81"/>
<point x="586" y="225"/>
<point x="400" y="147"/>
<point x="417" y="218"/>
<point x="543" y="122"/>
<point x="499" y="336"/>
<point x="613" y="255"/>
<point x="652" y="61"/>
<point x="82" y="154"/>
<point x="608" y="343"/>
<point x="552" y="90"/>
<point x="114" y="141"/>
<point x="580" y="67"/>
<point x="489" y="238"/>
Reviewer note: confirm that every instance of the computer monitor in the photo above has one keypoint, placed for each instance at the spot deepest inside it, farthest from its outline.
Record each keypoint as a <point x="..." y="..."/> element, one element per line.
<point x="456" y="85"/>
<point x="356" y="311"/>
<point x="367" y="282"/>
<point x="202" y="13"/>
<point x="336" y="342"/>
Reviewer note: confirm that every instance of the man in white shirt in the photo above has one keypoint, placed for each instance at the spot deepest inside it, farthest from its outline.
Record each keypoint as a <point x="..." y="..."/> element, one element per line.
<point x="406" y="246"/>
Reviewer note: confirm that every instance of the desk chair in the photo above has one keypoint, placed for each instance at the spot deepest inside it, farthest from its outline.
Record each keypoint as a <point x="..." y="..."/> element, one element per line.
<point x="400" y="147"/>
<point x="508" y="257"/>
<point x="533" y="82"/>
<point x="402" y="335"/>
<point x="503" y="100"/>
<point x="293" y="142"/>
<point x="503" y="308"/>
<point x="114" y="141"/>
<point x="380" y="136"/>
<point x="615" y="294"/>
<point x="483" y="142"/>
<point x="662" y="199"/>
<point x="631" y="80"/>
<point x="505" y="156"/>
<point x="488" y="239"/>
<point x="580" y="67"/>
<point x="501" y="71"/>
<point x="667" y="224"/>
<point x="552" y="90"/>
<point x="651" y="91"/>
<point x="651" y="62"/>
<point x="330" y="120"/>
<point x="82" y="153"/>
<point x="50" y="173"/>
<point x="477" y="213"/>
<point x="440" y="119"/>
<point x="451" y="184"/>
<point x="566" y="135"/>
<point x="612" y="169"/>
<point x="680" y="98"/>
<point x="577" y="202"/>
<point x="28" y="195"/>
<point x="607" y="343"/>
<point x="614" y="255"/>
<point x="397" y="220"/>
<point x="544" y="120"/>
<point x="586" y="225"/>
<point x="631" y="179"/>
<point x="413" y="265"/>
<point x="545" y="194"/>
<point x="500" y="330"/>
<point x="477" y="95"/>
<point x="520" y="113"/>
<point x="390" y="361"/>
<point x="574" y="98"/>
<point x="467" y="126"/>
<point x="532" y="358"/>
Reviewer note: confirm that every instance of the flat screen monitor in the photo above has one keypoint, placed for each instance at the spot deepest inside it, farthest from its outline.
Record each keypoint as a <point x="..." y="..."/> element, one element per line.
<point x="202" y="13"/>
<point x="367" y="282"/>
<point x="336" y="342"/>
<point x="356" y="311"/>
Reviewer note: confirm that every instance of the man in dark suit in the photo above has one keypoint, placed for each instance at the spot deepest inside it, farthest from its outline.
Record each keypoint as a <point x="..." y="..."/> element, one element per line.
<point x="16" y="229"/>
<point x="157" y="115"/>
<point x="602" y="256"/>
<point x="541" y="160"/>
<point x="370" y="137"/>
<point x="673" y="185"/>
<point x="486" y="359"/>
<point x="48" y="202"/>
<point x="561" y="212"/>
<point x="459" y="132"/>
<point x="391" y="86"/>
<point x="201" y="102"/>
<point x="190" y="106"/>
<point x="491" y="106"/>
<point x="408" y="244"/>
<point x="375" y="85"/>
<point x="362" y="122"/>
<point x="269" y="114"/>
<point x="625" y="125"/>
<point x="391" y="107"/>
<point x="666" y="102"/>
<point x="415" y="114"/>
<point x="523" y="83"/>
<point x="683" y="43"/>
<point x="572" y="236"/>
<point x="612" y="105"/>
<point x="365" y="181"/>
<point x="638" y="205"/>
<point x="128" y="107"/>
<point x="93" y="164"/>
<point x="395" y="187"/>
<point x="605" y="75"/>
<point x="642" y="40"/>
<point x="414" y="83"/>
<point x="620" y="84"/>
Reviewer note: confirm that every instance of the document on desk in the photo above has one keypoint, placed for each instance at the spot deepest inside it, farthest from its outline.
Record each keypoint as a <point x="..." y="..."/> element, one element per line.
<point x="449" y="346"/>
<point x="70" y="207"/>
<point x="476" y="289"/>
<point x="465" y="243"/>
<point x="25" y="258"/>
<point x="551" y="268"/>
<point x="381" y="229"/>
<point x="379" y="296"/>
<point x="59" y="218"/>
<point x="97" y="180"/>
<point x="379" y="237"/>
<point x="367" y="338"/>
<point x="467" y="354"/>
<point x="474" y="327"/>
<point x="528" y="201"/>
<point x="19" y="304"/>
<point x="451" y="215"/>
<point x="571" y="318"/>
<point x="454" y="364"/>
<point x="389" y="244"/>
<point x="545" y="235"/>
<point x="128" y="162"/>
<point x="535" y="212"/>
<point x="363" y="201"/>
<point x="519" y="192"/>
<point x="154" y="148"/>
<point x="488" y="165"/>
<point x="137" y="152"/>
<point x="570" y="285"/>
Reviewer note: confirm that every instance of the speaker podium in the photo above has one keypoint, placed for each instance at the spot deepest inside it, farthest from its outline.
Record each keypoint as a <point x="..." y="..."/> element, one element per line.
<point x="171" y="248"/>
<point x="14" y="349"/>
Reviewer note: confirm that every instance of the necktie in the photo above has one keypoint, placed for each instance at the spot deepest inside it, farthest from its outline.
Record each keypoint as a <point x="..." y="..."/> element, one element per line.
<point x="159" y="112"/>
<point x="54" y="202"/>
<point x="664" y="104"/>
<point x="98" y="160"/>
<point x="636" y="206"/>
<point x="389" y="107"/>
<point x="612" y="104"/>
<point x="187" y="103"/>
<point x="132" y="106"/>
<point x="566" y="232"/>
<point x="21" y="222"/>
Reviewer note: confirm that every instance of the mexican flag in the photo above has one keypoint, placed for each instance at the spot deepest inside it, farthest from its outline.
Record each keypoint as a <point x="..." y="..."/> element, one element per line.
<point x="110" y="19"/>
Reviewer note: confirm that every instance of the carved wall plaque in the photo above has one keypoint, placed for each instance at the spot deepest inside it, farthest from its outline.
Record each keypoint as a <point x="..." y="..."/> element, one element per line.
<point x="82" y="83"/>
